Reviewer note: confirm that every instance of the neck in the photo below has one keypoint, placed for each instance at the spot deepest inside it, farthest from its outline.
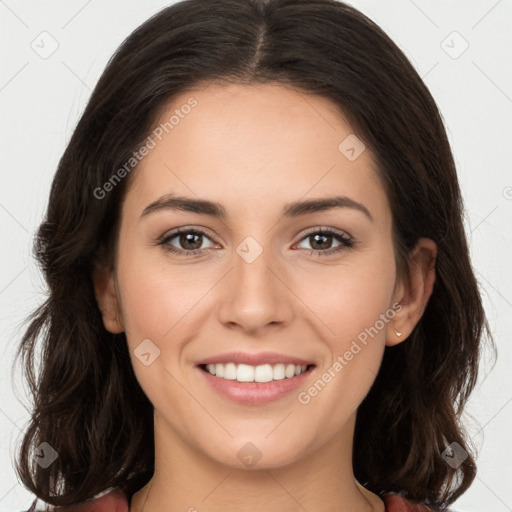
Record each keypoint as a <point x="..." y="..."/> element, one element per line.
<point x="187" y="480"/>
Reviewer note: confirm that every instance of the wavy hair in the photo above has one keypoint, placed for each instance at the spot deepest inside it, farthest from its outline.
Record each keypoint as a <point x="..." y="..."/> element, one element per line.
<point x="88" y="404"/>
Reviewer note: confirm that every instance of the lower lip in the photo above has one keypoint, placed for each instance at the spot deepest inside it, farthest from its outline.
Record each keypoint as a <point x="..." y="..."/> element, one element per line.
<point x="255" y="393"/>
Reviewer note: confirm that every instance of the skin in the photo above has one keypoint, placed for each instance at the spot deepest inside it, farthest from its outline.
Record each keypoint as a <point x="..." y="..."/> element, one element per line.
<point x="254" y="149"/>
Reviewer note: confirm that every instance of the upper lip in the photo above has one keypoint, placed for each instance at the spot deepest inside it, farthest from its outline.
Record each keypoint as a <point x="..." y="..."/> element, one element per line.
<point x="254" y="359"/>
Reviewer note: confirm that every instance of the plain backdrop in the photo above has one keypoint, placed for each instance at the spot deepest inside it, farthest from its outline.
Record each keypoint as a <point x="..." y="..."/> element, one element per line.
<point x="463" y="51"/>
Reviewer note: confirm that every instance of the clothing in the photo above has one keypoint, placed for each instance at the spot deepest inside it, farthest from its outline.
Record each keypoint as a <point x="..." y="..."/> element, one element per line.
<point x="117" y="501"/>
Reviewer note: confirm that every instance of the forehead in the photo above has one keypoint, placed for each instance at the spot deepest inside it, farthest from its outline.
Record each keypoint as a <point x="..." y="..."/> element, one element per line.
<point x="259" y="145"/>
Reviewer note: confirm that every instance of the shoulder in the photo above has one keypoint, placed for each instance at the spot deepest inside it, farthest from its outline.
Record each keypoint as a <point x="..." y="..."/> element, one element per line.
<point x="117" y="501"/>
<point x="396" y="503"/>
<point x="114" y="500"/>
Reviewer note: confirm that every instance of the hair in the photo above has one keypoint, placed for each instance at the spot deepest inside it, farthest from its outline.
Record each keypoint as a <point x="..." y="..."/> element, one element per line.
<point x="88" y="404"/>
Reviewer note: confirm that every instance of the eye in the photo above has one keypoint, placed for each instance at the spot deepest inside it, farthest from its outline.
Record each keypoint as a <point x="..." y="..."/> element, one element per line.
<point x="323" y="238"/>
<point x="190" y="239"/>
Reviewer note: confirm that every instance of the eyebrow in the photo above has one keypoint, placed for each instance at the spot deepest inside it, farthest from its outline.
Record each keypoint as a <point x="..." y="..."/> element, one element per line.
<point x="295" y="209"/>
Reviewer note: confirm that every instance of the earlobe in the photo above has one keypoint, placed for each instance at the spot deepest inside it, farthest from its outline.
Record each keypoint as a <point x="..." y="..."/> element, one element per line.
<point x="106" y="297"/>
<point x="415" y="294"/>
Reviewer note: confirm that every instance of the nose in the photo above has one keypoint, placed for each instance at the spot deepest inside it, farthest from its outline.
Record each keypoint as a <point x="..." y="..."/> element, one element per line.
<point x="256" y="294"/>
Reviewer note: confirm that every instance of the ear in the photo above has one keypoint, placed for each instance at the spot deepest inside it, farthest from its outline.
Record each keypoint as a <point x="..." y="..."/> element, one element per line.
<point x="106" y="296"/>
<point x="413" y="294"/>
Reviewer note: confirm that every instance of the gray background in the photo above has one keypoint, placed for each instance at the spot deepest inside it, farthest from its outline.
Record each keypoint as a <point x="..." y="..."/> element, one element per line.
<point x="42" y="97"/>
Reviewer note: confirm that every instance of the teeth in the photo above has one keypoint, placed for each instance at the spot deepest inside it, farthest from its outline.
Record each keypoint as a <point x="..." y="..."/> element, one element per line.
<point x="262" y="373"/>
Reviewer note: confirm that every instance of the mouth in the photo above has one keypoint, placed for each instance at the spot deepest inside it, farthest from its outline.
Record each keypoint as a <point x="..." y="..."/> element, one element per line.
<point x="255" y="385"/>
<point x="257" y="374"/>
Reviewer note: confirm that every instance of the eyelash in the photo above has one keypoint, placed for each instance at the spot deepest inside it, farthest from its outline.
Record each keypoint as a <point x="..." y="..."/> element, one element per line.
<point x="346" y="242"/>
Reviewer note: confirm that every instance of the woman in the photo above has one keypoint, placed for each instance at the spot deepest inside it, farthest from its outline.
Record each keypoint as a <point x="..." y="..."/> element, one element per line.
<point x="203" y="349"/>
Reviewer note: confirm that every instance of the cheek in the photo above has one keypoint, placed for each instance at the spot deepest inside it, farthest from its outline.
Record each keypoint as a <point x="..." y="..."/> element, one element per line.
<point x="351" y="299"/>
<point x="158" y="305"/>
<point x="354" y="303"/>
<point x="156" y="296"/>
<point x="355" y="342"/>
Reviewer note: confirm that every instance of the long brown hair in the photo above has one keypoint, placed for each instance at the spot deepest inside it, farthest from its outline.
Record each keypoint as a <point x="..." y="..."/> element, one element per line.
<point x="88" y="405"/>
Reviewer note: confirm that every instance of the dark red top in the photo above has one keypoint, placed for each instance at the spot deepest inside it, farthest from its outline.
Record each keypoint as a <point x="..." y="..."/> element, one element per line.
<point x="117" y="501"/>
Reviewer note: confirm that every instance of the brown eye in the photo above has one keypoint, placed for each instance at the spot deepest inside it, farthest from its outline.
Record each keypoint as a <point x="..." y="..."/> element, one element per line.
<point x="189" y="241"/>
<point x="321" y="241"/>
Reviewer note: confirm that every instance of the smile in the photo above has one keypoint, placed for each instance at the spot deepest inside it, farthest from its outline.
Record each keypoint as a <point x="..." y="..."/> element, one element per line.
<point x="260" y="373"/>
<point x="273" y="384"/>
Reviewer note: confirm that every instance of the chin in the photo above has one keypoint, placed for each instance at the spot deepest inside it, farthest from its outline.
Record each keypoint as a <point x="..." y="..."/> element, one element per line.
<point x="259" y="453"/>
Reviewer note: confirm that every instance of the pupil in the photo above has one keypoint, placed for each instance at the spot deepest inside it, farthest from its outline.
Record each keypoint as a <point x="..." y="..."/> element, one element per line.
<point x="187" y="241"/>
<point x="315" y="237"/>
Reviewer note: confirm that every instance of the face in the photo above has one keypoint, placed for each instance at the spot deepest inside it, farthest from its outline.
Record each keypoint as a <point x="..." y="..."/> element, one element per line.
<point x="266" y="285"/>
